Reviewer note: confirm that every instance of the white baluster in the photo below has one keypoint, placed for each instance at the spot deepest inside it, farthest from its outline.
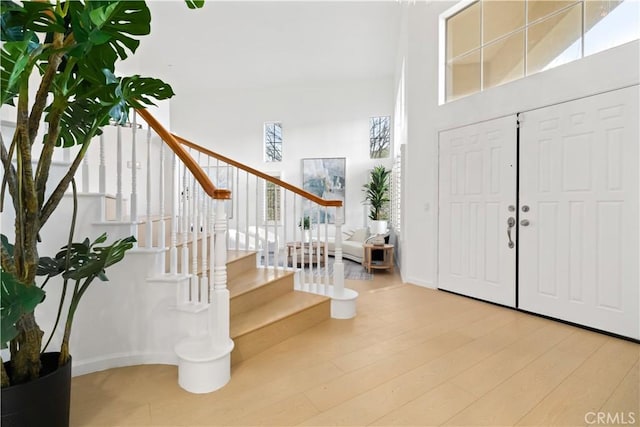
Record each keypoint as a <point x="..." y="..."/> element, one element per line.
<point x="162" y="238"/>
<point x="236" y="200"/>
<point x="316" y="276"/>
<point x="294" y="250"/>
<point x="246" y="219"/>
<point x="184" y="261"/>
<point x="119" y="208"/>
<point x="195" y="294"/>
<point x="102" y="169"/>
<point x="326" y="249"/>
<point x="306" y="250"/>
<point x="265" y="240"/>
<point x="175" y="217"/>
<point x="338" y="266"/>
<point x="276" y="211"/>
<point x="134" y="171"/>
<point x="184" y="255"/>
<point x="256" y="237"/>
<point x="148" y="223"/>
<point x="202" y="230"/>
<point x="284" y="227"/>
<point x="206" y="246"/>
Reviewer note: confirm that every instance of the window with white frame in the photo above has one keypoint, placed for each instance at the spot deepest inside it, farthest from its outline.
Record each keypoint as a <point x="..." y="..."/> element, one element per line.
<point x="273" y="142"/>
<point x="379" y="137"/>
<point x="491" y="42"/>
<point x="272" y="201"/>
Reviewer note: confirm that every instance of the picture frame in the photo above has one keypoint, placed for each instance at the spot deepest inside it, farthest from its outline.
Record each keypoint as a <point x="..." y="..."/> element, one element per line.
<point x="326" y="178"/>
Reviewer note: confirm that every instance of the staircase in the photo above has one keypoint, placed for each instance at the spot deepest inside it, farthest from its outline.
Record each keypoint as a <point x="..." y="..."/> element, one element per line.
<point x="209" y="284"/>
<point x="265" y="308"/>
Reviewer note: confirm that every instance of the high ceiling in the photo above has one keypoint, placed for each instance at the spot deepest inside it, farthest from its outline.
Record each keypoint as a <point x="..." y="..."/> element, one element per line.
<point x="238" y="44"/>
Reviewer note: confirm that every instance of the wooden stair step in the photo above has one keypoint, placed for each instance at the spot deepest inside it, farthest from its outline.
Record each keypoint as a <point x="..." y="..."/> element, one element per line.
<point x="256" y="287"/>
<point x="277" y="309"/>
<point x="239" y="261"/>
<point x="250" y="280"/>
<point x="236" y="254"/>
<point x="275" y="321"/>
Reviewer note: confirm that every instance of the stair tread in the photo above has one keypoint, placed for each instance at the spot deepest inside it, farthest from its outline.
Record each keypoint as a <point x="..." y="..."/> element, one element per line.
<point x="254" y="279"/>
<point x="279" y="308"/>
<point x="236" y="254"/>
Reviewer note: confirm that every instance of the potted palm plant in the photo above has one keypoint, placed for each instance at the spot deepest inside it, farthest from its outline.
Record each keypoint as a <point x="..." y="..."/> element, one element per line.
<point x="305" y="225"/>
<point x="377" y="197"/>
<point x="58" y="67"/>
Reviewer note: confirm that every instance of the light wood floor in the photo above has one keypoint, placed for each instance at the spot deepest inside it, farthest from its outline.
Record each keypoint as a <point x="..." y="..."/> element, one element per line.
<point x="412" y="356"/>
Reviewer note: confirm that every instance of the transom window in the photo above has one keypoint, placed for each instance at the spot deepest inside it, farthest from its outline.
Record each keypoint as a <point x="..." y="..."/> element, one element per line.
<point x="379" y="137"/>
<point x="273" y="142"/>
<point x="492" y="42"/>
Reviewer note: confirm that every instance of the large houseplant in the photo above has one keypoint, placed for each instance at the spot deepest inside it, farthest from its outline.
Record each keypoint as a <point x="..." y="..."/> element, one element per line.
<point x="57" y="67"/>
<point x="377" y="197"/>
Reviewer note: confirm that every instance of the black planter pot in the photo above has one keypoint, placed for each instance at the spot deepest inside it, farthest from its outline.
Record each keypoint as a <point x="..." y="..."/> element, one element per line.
<point x="43" y="402"/>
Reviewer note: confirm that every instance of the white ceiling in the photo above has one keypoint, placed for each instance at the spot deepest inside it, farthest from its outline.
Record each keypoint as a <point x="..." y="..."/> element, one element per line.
<point x="238" y="44"/>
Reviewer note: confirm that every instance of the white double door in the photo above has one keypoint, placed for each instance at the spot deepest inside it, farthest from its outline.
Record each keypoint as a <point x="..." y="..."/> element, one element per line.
<point x="477" y="215"/>
<point x="577" y="218"/>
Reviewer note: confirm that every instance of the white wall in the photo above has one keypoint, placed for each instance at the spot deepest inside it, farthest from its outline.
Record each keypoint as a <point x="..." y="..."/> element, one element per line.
<point x="321" y="121"/>
<point x="605" y="71"/>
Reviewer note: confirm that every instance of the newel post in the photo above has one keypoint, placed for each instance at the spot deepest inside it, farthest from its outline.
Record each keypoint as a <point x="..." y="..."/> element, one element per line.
<point x="338" y="265"/>
<point x="220" y="293"/>
<point x="204" y="361"/>
<point x="343" y="300"/>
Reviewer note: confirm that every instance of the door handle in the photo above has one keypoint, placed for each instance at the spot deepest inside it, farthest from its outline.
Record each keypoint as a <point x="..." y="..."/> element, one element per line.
<point x="511" y="222"/>
<point x="525" y="223"/>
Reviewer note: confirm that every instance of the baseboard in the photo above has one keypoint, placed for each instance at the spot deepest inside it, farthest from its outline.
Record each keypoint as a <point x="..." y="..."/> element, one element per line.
<point x="418" y="282"/>
<point x="121" y="360"/>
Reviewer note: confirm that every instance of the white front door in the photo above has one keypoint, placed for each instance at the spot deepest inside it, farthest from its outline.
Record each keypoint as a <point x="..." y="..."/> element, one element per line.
<point x="578" y="235"/>
<point x="477" y="198"/>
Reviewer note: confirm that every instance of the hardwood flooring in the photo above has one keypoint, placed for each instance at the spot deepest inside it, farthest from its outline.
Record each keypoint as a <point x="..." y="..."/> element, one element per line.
<point x="412" y="356"/>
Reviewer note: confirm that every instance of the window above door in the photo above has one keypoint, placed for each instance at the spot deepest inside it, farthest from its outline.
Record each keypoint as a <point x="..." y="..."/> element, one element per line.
<point x="488" y="43"/>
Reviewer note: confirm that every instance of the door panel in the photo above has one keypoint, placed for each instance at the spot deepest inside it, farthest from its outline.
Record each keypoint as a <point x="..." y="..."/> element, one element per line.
<point x="578" y="257"/>
<point x="477" y="185"/>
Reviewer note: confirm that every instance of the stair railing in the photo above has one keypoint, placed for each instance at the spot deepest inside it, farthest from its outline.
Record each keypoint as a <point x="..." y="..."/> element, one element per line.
<point x="268" y="215"/>
<point x="191" y="205"/>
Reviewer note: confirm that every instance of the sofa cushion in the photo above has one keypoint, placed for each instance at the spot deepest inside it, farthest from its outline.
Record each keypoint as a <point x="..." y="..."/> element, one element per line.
<point x="346" y="234"/>
<point x="359" y="235"/>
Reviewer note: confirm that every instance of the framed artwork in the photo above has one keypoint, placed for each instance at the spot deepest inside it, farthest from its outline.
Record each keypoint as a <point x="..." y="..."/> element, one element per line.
<point x="325" y="178"/>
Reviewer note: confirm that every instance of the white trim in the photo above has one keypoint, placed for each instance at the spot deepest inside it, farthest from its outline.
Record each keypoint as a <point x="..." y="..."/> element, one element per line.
<point x="119" y="360"/>
<point x="422" y="283"/>
<point x="442" y="46"/>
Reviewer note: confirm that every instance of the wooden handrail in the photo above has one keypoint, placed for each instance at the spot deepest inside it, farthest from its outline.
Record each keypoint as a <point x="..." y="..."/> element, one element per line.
<point x="320" y="201"/>
<point x="192" y="165"/>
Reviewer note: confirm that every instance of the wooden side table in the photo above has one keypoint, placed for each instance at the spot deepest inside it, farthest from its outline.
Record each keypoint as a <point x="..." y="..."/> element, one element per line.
<point x="386" y="263"/>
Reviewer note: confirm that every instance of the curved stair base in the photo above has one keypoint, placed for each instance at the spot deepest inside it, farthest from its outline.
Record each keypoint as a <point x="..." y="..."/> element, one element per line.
<point x="343" y="306"/>
<point x="203" y="367"/>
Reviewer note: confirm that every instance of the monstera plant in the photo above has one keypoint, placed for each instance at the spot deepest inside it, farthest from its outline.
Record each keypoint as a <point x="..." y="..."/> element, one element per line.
<point x="58" y="67"/>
